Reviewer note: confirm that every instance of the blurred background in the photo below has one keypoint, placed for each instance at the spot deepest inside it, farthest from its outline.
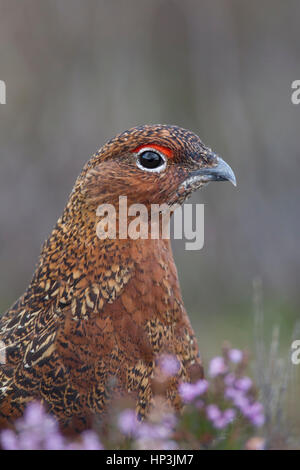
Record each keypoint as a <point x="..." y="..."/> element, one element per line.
<point x="79" y="71"/>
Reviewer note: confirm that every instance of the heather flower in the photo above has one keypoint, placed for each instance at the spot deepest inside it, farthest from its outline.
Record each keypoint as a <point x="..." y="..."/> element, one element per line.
<point x="54" y="441"/>
<point x="36" y="419"/>
<point x="229" y="414"/>
<point x="154" y="444"/>
<point x="220" y="419"/>
<point x="237" y="397"/>
<point x="158" y="436"/>
<point x="229" y="379"/>
<point x="241" y="402"/>
<point x="258" y="420"/>
<point x="199" y="404"/>
<point x="37" y="430"/>
<point x="169" y="365"/>
<point x="235" y="355"/>
<point x="189" y="392"/>
<point x="220" y="423"/>
<point x="254" y="412"/>
<point x="217" y="366"/>
<point x="243" y="384"/>
<point x="213" y="412"/>
<point x="256" y="408"/>
<point x="9" y="440"/>
<point x="169" y="420"/>
<point x="153" y="431"/>
<point x="201" y="386"/>
<point x="168" y="445"/>
<point x="90" y="441"/>
<point x="127" y="422"/>
<point x="148" y="435"/>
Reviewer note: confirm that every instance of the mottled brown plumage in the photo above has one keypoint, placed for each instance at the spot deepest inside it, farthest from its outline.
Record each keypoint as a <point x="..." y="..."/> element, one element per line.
<point x="98" y="313"/>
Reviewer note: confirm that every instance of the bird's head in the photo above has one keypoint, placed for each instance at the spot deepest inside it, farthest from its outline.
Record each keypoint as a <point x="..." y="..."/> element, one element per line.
<point x="152" y="164"/>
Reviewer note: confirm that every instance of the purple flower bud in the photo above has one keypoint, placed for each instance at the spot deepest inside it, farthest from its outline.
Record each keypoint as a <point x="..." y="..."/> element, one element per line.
<point x="90" y="441"/>
<point x="243" y="384"/>
<point x="9" y="440"/>
<point x="37" y="430"/>
<point x="153" y="431"/>
<point x="169" y="365"/>
<point x="255" y="413"/>
<point x="258" y="420"/>
<point x="213" y="412"/>
<point x="220" y="419"/>
<point x="30" y="440"/>
<point x="220" y="423"/>
<point x="201" y="386"/>
<point x="241" y="402"/>
<point x="127" y="422"/>
<point x="170" y="445"/>
<point x="257" y="407"/>
<point x="217" y="366"/>
<point x="187" y="392"/>
<point x="229" y="415"/>
<point x="232" y="393"/>
<point x="54" y="441"/>
<point x="235" y="355"/>
<point x="199" y="404"/>
<point x="169" y="420"/>
<point x="229" y="379"/>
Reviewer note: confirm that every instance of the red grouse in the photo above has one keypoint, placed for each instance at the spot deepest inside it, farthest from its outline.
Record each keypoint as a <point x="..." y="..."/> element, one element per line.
<point x="98" y="313"/>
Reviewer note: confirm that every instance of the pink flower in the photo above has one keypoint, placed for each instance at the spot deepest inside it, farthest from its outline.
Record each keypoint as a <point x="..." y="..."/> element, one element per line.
<point x="201" y="386"/>
<point x="235" y="355"/>
<point x="217" y="366"/>
<point x="213" y="412"/>
<point x="128" y="423"/>
<point x="229" y="415"/>
<point x="255" y="413"/>
<point x="258" y="420"/>
<point x="9" y="440"/>
<point x="169" y="365"/>
<point x="229" y="379"/>
<point x="199" y="404"/>
<point x="90" y="441"/>
<point x="220" y="423"/>
<point x="189" y="392"/>
<point x="220" y="419"/>
<point x="243" y="384"/>
<point x="37" y="430"/>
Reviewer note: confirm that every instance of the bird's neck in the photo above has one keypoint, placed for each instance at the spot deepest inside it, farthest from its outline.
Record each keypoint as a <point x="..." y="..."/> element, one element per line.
<point x="75" y="263"/>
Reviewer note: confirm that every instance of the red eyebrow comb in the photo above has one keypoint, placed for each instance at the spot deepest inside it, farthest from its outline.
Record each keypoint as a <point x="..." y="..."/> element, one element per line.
<point x="164" y="150"/>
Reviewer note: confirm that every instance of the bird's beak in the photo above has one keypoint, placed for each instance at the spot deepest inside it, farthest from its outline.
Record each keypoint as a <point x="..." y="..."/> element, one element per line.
<point x="221" y="171"/>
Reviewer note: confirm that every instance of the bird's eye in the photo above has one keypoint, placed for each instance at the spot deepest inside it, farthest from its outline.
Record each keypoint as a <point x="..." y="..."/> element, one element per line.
<point x="149" y="160"/>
